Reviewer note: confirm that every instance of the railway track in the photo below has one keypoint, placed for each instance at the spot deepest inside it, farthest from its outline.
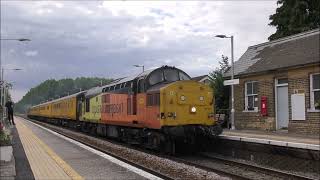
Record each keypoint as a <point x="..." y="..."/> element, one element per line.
<point x="257" y="168"/>
<point x="169" y="173"/>
<point x="222" y="166"/>
<point x="236" y="169"/>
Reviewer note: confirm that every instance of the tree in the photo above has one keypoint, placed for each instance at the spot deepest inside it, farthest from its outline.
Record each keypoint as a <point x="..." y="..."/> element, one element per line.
<point x="295" y="16"/>
<point x="216" y="79"/>
<point x="52" y="89"/>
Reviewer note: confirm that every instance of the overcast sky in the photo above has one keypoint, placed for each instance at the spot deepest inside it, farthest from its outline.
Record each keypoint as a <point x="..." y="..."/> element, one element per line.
<point x="104" y="39"/>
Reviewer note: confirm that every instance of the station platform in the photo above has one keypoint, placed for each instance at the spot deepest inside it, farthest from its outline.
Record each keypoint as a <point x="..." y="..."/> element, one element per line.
<point x="279" y="138"/>
<point x="48" y="155"/>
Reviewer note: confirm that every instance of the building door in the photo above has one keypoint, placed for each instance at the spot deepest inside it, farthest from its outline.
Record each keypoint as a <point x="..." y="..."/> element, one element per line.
<point x="282" y="103"/>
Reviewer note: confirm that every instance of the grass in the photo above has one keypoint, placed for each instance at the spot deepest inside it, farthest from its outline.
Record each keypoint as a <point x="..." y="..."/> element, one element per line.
<point x="4" y="138"/>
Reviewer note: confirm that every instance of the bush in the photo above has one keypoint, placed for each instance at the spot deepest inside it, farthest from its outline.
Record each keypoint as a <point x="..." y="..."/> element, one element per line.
<point x="4" y="138"/>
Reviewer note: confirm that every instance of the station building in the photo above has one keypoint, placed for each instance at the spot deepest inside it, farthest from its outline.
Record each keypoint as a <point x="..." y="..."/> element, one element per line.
<point x="279" y="85"/>
<point x="203" y="79"/>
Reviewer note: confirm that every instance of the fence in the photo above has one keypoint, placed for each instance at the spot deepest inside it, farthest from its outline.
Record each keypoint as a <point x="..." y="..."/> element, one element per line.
<point x="223" y="118"/>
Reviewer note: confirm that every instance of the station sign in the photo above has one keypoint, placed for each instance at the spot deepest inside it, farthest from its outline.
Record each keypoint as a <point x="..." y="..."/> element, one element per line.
<point x="231" y="82"/>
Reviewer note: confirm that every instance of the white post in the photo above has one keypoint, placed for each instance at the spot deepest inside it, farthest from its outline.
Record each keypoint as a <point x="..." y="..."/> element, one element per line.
<point x="2" y="95"/>
<point x="4" y="101"/>
<point x="232" y="87"/>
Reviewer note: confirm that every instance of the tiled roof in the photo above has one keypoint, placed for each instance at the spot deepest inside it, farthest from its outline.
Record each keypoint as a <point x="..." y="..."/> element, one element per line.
<point x="299" y="49"/>
<point x="198" y="78"/>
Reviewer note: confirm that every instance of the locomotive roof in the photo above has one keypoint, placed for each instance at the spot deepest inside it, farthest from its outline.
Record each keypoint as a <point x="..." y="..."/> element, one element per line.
<point x="97" y="90"/>
<point x="93" y="91"/>
<point x="59" y="99"/>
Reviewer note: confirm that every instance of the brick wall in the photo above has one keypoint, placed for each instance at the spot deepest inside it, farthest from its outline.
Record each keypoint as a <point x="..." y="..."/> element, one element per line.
<point x="297" y="79"/>
<point x="300" y="79"/>
<point x="254" y="120"/>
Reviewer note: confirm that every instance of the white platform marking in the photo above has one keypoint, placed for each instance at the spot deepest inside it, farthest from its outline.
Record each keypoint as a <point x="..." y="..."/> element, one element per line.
<point x="110" y="158"/>
<point x="272" y="142"/>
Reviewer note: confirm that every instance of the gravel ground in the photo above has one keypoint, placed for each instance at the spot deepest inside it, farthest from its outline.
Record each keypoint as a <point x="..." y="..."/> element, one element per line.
<point x="165" y="166"/>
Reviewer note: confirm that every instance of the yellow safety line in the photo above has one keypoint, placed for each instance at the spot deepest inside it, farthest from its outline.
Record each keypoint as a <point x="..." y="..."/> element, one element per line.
<point x="66" y="167"/>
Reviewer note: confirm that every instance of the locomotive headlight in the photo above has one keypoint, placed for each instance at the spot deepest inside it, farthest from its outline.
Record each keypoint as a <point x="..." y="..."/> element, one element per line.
<point x="201" y="98"/>
<point x="193" y="109"/>
<point x="183" y="98"/>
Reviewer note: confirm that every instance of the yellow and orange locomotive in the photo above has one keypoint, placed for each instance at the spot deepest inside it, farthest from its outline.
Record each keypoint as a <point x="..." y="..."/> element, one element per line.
<point x="158" y="108"/>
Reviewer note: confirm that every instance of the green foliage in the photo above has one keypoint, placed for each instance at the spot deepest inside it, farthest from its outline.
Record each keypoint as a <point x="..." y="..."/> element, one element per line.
<point x="295" y="16"/>
<point x="53" y="89"/>
<point x="221" y="92"/>
<point x="4" y="138"/>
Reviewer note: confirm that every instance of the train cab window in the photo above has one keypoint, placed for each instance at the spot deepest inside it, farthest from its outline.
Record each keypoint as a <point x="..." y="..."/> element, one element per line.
<point x="156" y="77"/>
<point x="171" y="75"/>
<point x="128" y="84"/>
<point x="157" y="99"/>
<point x="183" y="76"/>
<point x="87" y="105"/>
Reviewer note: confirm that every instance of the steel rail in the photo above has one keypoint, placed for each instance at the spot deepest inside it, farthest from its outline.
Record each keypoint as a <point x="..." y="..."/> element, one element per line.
<point x="207" y="168"/>
<point x="253" y="168"/>
<point x="258" y="168"/>
<point x="245" y="166"/>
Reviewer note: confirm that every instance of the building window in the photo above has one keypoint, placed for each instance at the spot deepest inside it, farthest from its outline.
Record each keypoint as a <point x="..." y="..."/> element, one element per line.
<point x="251" y="96"/>
<point x="315" y="91"/>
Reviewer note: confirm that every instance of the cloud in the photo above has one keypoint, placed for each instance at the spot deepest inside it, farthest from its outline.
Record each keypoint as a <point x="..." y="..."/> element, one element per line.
<point x="77" y="38"/>
<point x="31" y="53"/>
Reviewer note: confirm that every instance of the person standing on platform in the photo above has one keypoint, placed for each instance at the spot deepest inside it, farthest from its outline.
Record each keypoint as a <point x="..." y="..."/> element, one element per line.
<point x="9" y="106"/>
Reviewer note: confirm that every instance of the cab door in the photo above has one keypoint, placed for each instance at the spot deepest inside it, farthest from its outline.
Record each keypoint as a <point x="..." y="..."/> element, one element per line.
<point x="141" y="101"/>
<point x="132" y="99"/>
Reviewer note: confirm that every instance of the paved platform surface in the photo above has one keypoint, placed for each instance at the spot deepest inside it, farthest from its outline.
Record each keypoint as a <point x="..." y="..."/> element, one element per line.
<point x="52" y="157"/>
<point x="280" y="138"/>
<point x="23" y="169"/>
<point x="7" y="163"/>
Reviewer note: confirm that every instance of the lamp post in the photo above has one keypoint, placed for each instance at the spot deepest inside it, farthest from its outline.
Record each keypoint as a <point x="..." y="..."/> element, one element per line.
<point x="1" y="78"/>
<point x="12" y="39"/>
<point x="140" y="66"/>
<point x="4" y="89"/>
<point x="232" y="77"/>
<point x="20" y="39"/>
